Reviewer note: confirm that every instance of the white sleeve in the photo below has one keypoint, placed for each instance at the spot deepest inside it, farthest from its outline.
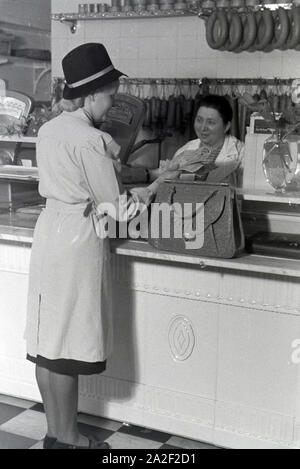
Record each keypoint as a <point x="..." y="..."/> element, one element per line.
<point x="105" y="186"/>
<point x="228" y="165"/>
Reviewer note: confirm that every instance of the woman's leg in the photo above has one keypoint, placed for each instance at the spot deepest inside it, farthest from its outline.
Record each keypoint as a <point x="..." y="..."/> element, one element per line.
<point x="49" y="400"/>
<point x="60" y="398"/>
<point x="65" y="388"/>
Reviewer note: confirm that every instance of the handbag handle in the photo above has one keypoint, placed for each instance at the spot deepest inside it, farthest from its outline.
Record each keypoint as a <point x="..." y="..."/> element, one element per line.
<point x="170" y="195"/>
<point x="170" y="200"/>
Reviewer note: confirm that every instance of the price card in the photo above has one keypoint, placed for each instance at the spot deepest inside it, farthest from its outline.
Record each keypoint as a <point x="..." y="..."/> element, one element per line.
<point x="11" y="107"/>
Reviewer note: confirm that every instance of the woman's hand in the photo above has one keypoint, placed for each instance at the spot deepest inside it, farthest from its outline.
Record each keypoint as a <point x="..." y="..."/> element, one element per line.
<point x="168" y="165"/>
<point x="170" y="171"/>
<point x="170" y="174"/>
<point x="144" y="194"/>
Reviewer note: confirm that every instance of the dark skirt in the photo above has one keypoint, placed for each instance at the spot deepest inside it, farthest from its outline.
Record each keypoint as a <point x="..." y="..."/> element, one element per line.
<point x="68" y="367"/>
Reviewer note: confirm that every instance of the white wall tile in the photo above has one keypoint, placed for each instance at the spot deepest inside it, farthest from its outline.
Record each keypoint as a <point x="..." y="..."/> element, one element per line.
<point x="148" y="68"/>
<point x="129" y="66"/>
<point x="147" y="27"/>
<point x="227" y="68"/>
<point x="199" y="30"/>
<point x="102" y="28"/>
<point x="186" y="47"/>
<point x="64" y="6"/>
<point x="56" y="68"/>
<point x="205" y="68"/>
<point x="113" y="47"/>
<point x="166" y="68"/>
<point x="109" y="28"/>
<point x="189" y="68"/>
<point x="248" y="65"/>
<point x="61" y="50"/>
<point x="291" y="64"/>
<point x="270" y="68"/>
<point x="187" y="25"/>
<point x="167" y="27"/>
<point x="129" y="29"/>
<point x="203" y="49"/>
<point x="59" y="47"/>
<point x="93" y="30"/>
<point x="129" y="50"/>
<point x="167" y="48"/>
<point x="148" y="48"/>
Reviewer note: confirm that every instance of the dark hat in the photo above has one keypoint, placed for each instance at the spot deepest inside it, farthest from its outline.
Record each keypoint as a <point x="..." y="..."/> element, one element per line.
<point x="87" y="68"/>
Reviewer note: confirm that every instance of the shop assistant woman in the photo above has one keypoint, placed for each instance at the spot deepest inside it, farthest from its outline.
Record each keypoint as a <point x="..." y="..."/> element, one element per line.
<point x="215" y="156"/>
<point x="69" y="330"/>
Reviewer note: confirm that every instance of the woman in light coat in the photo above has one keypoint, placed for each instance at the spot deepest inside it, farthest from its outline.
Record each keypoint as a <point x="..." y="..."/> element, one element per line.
<point x="69" y="320"/>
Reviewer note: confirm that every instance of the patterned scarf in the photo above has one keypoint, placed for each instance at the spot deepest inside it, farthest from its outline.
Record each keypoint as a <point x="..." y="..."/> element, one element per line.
<point x="202" y="157"/>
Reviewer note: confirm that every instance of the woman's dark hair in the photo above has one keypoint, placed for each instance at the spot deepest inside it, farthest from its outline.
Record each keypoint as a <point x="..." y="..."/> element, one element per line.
<point x="220" y="104"/>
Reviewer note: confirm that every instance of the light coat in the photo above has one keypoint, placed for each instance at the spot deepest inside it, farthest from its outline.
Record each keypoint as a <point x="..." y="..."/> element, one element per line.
<point x="70" y="294"/>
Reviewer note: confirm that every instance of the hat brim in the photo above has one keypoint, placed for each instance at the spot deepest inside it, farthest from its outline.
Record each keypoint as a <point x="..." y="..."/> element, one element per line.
<point x="84" y="90"/>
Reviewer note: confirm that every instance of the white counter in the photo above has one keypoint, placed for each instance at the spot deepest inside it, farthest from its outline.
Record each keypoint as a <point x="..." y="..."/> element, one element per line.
<point x="203" y="347"/>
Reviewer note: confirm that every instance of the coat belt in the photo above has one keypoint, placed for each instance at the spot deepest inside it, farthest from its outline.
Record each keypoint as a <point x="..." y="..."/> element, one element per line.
<point x="85" y="207"/>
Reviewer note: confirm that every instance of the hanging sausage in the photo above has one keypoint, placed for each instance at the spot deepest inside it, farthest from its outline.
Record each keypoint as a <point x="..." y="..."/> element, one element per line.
<point x="178" y="113"/>
<point x="235" y="31"/>
<point x="163" y="106"/>
<point x="265" y="32"/>
<point x="188" y="108"/>
<point x="281" y="28"/>
<point x="294" y="38"/>
<point x="217" y="29"/>
<point x="249" y="29"/>
<point x="147" y="120"/>
<point x="171" y="112"/>
<point x="253" y="29"/>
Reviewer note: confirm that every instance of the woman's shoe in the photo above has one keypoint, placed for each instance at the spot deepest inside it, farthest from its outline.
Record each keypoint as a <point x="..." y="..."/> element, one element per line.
<point x="92" y="445"/>
<point x="48" y="442"/>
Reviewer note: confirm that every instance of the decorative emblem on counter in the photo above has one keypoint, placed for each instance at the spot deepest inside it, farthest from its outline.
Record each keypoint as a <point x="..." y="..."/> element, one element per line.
<point x="181" y="338"/>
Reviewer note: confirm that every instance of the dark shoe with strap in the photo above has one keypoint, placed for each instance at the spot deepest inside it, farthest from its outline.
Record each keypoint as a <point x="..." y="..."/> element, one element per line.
<point x="48" y="442"/>
<point x="92" y="445"/>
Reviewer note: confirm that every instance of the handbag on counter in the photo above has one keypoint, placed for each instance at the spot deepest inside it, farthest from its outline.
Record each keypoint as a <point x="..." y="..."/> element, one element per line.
<point x="203" y="219"/>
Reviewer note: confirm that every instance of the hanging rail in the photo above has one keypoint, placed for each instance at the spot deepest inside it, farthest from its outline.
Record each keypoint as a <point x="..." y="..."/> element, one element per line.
<point x="208" y="81"/>
<point x="247" y="81"/>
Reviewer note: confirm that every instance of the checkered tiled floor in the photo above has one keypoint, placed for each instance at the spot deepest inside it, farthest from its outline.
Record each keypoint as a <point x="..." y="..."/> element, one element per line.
<point x="23" y="424"/>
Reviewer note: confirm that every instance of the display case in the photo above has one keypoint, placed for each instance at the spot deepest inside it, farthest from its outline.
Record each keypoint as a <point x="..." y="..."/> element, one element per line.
<point x="19" y="178"/>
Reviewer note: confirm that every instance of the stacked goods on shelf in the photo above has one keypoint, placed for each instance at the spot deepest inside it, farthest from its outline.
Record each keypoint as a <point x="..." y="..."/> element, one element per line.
<point x="136" y="6"/>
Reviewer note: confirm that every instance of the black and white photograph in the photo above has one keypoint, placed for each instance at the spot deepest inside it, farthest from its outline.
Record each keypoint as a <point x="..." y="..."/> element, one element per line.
<point x="149" y="228"/>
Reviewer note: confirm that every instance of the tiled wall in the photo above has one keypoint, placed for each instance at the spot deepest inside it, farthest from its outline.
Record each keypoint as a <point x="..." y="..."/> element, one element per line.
<point x="166" y="47"/>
